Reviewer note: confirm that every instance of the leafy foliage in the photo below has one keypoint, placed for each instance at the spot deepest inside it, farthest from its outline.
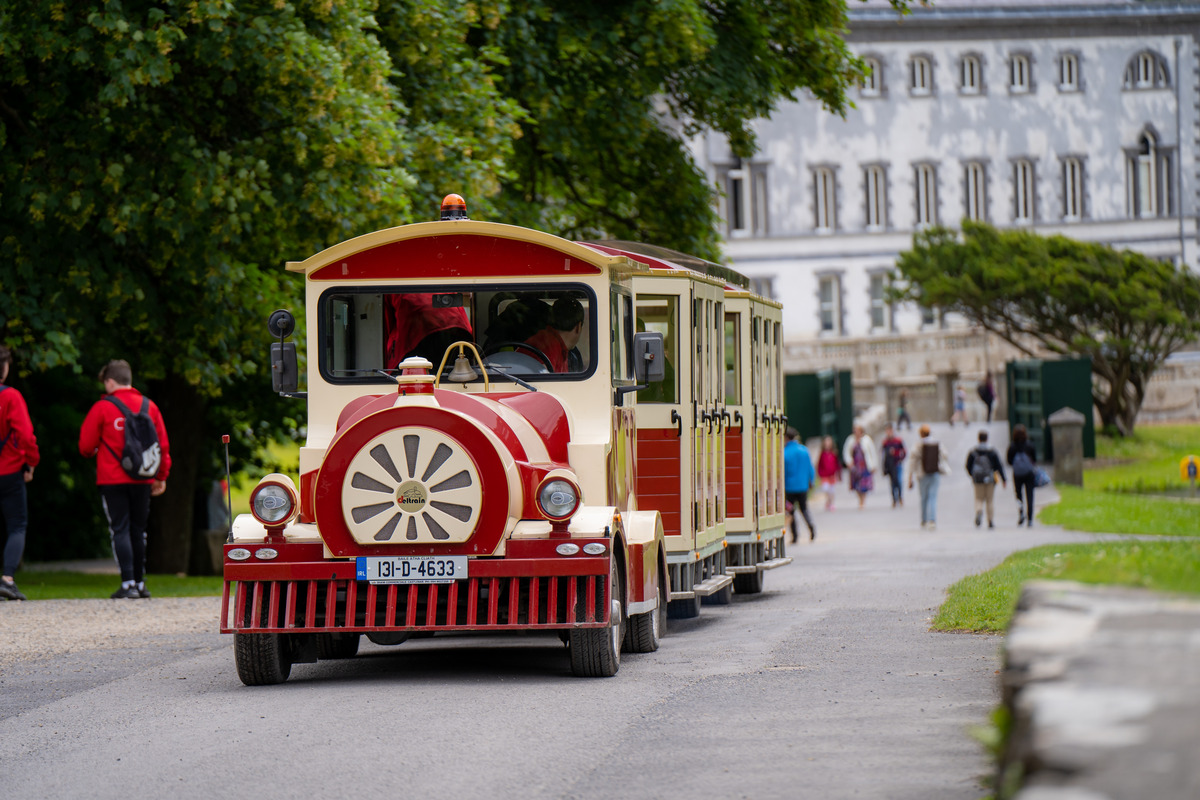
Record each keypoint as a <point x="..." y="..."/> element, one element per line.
<point x="160" y="158"/>
<point x="1124" y="310"/>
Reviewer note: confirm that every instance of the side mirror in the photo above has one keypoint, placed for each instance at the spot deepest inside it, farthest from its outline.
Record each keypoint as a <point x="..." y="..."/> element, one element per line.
<point x="649" y="361"/>
<point x="284" y="375"/>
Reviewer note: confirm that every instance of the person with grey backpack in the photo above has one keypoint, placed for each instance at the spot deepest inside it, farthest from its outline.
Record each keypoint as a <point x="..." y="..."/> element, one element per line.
<point x="1021" y="457"/>
<point x="984" y="467"/>
<point x="126" y="434"/>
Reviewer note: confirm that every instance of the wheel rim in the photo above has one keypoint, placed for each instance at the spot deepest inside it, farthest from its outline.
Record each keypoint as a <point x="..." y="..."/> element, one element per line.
<point x="412" y="485"/>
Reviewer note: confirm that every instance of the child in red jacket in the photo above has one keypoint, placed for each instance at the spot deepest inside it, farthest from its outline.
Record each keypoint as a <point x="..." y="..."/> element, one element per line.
<point x="829" y="470"/>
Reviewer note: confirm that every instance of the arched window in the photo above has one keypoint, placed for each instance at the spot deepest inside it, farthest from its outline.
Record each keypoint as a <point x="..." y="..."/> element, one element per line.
<point x="1148" y="178"/>
<point x="921" y="76"/>
<point x="1020" y="77"/>
<point x="970" y="78"/>
<point x="1146" y="70"/>
<point x="872" y="81"/>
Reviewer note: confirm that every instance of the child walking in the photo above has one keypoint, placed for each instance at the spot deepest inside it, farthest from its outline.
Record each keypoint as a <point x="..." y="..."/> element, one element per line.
<point x="829" y="470"/>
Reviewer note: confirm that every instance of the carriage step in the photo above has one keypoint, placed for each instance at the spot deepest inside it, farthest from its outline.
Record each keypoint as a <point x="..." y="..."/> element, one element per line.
<point x="765" y="565"/>
<point x="703" y="589"/>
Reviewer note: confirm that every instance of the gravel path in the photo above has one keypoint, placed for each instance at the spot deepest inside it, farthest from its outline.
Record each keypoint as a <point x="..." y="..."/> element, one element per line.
<point x="33" y="630"/>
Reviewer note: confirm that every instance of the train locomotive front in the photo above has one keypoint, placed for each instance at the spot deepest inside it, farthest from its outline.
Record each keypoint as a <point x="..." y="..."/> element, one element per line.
<point x="455" y="478"/>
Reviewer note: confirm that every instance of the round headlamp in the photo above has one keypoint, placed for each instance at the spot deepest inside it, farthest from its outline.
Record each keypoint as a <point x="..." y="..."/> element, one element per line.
<point x="273" y="501"/>
<point x="558" y="498"/>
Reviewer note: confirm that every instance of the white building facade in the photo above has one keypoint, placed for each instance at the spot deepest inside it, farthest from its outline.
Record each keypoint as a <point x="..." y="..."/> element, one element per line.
<point x="1057" y="117"/>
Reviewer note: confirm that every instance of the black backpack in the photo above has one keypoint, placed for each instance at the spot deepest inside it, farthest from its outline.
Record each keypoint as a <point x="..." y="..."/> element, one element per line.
<point x="982" y="468"/>
<point x="142" y="455"/>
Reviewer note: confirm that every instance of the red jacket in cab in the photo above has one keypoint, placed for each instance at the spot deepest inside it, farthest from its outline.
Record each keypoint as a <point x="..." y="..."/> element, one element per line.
<point x="105" y="425"/>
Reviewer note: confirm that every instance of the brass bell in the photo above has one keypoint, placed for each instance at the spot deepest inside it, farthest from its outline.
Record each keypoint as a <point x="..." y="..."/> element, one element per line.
<point x="462" y="372"/>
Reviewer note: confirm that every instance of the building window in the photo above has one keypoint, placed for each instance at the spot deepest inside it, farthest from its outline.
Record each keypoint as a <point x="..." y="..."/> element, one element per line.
<point x="829" y="303"/>
<point x="970" y="80"/>
<point x="1023" y="192"/>
<point x="872" y="80"/>
<point x="930" y="318"/>
<point x="1068" y="72"/>
<point x="876" y="195"/>
<point x="825" y="199"/>
<point x="926" y="194"/>
<point x="1146" y="70"/>
<point x="975" y="191"/>
<point x="880" y="309"/>
<point x="921" y="76"/>
<point x="764" y="287"/>
<point x="746" y="199"/>
<point x="1019" y="77"/>
<point x="1148" y="179"/>
<point x="1072" y="189"/>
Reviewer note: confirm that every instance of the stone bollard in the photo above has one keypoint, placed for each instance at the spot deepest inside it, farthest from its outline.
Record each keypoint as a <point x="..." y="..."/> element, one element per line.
<point x="1066" y="436"/>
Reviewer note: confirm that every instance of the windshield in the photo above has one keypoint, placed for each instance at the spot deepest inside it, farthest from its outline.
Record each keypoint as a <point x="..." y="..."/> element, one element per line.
<point x="530" y="331"/>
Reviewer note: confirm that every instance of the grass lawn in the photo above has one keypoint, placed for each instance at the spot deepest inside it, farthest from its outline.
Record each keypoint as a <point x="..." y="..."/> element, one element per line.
<point x="1107" y="503"/>
<point x="58" y="585"/>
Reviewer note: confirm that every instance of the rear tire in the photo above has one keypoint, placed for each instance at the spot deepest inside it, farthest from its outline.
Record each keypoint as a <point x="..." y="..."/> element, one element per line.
<point x="596" y="652"/>
<point x="646" y="630"/>
<point x="748" y="582"/>
<point x="683" y="609"/>
<point x="337" y="645"/>
<point x="262" y="659"/>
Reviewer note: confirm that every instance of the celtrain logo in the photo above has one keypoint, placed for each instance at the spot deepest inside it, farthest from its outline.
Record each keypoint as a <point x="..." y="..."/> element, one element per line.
<point x="411" y="496"/>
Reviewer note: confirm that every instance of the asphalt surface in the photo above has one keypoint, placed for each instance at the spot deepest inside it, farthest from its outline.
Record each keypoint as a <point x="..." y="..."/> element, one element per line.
<point x="828" y="685"/>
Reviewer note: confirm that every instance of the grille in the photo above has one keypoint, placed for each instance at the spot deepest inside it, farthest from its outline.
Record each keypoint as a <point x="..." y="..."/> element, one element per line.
<point x="470" y="604"/>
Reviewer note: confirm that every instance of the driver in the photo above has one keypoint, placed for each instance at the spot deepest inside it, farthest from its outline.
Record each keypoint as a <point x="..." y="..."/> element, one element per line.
<point x="558" y="338"/>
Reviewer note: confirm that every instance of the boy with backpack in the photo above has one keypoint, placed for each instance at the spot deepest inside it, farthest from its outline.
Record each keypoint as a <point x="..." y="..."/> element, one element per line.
<point x="927" y="464"/>
<point x="126" y="433"/>
<point x="984" y="466"/>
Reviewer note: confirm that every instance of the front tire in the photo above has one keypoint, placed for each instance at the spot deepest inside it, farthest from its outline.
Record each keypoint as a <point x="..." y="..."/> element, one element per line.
<point x="262" y="659"/>
<point x="596" y="652"/>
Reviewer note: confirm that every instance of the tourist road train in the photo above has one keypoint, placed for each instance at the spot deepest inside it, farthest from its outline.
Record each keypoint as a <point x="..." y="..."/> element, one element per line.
<point x="471" y="467"/>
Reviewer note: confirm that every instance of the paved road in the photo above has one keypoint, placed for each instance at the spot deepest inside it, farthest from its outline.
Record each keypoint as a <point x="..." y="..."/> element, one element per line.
<point x="827" y="685"/>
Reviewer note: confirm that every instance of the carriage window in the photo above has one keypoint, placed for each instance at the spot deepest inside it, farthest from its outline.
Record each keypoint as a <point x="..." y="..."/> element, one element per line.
<point x="733" y="358"/>
<point x="660" y="314"/>
<point x="529" y="331"/>
<point x="621" y="334"/>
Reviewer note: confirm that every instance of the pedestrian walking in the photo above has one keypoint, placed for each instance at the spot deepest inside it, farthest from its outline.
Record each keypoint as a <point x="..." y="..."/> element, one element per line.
<point x="1021" y="456"/>
<point x="862" y="459"/>
<point x="927" y="464"/>
<point x="960" y="406"/>
<point x="829" y="470"/>
<point x="894" y="454"/>
<point x="984" y="467"/>
<point x="902" y="410"/>
<point x="124" y="430"/>
<point x="987" y="393"/>
<point x="798" y="478"/>
<point x="18" y="458"/>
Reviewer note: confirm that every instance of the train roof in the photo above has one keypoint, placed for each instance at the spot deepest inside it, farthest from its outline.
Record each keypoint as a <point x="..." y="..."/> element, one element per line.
<point x="666" y="258"/>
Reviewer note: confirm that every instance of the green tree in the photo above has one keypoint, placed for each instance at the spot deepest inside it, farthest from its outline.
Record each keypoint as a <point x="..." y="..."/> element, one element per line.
<point x="160" y="161"/>
<point x="1125" y="311"/>
<point x="612" y="91"/>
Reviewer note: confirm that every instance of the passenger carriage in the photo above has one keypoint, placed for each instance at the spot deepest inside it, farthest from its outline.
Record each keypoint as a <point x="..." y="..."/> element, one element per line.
<point x="457" y="478"/>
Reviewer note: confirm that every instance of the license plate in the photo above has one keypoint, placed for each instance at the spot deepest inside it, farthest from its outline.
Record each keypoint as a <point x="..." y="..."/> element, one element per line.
<point x="411" y="569"/>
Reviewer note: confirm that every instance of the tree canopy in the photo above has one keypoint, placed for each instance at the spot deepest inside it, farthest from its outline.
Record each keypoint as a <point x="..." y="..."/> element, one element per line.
<point x="160" y="159"/>
<point x="1123" y="310"/>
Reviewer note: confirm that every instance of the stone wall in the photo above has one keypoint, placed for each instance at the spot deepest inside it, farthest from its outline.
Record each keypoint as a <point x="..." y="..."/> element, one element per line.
<point x="1102" y="687"/>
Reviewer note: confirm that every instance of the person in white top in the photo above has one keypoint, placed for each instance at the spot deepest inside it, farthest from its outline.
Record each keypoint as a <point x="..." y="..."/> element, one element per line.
<point x="862" y="459"/>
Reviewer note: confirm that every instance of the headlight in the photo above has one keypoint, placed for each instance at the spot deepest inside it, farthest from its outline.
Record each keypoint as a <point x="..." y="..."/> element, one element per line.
<point x="594" y="548"/>
<point x="273" y="501"/>
<point x="239" y="554"/>
<point x="266" y="553"/>
<point x="567" y="549"/>
<point x="558" y="499"/>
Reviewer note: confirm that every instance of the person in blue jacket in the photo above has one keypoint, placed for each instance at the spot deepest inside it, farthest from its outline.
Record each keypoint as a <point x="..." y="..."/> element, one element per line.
<point x="798" y="477"/>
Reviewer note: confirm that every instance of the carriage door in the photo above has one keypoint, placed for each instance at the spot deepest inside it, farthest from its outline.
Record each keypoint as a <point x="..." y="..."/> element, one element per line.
<point x="758" y="421"/>
<point x="734" y="417"/>
<point x="720" y="378"/>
